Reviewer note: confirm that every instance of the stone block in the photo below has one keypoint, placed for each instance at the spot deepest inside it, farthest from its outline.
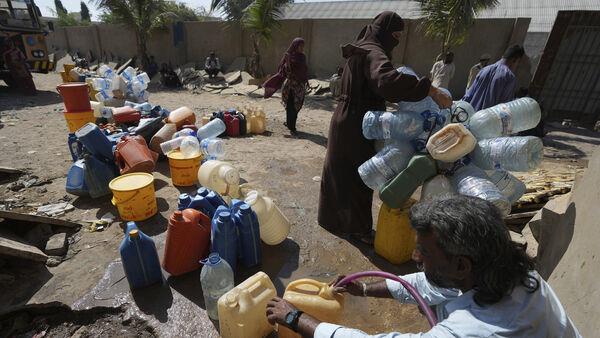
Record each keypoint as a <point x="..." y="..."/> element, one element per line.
<point x="14" y="248"/>
<point x="57" y="245"/>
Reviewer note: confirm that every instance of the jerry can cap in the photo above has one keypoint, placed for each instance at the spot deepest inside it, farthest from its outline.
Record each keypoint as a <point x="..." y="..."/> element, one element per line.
<point x="212" y="260"/>
<point x="134" y="233"/>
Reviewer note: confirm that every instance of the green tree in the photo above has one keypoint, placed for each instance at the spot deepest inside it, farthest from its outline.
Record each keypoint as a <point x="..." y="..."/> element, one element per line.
<point x="232" y="9"/>
<point x="141" y="16"/>
<point x="60" y="9"/>
<point x="182" y="11"/>
<point x="450" y="20"/>
<point x="85" y="13"/>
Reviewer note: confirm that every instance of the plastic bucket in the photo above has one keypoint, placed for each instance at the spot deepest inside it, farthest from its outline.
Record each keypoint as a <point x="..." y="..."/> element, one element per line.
<point x="79" y="119"/>
<point x="68" y="67"/>
<point x="75" y="96"/>
<point x="133" y="195"/>
<point x="184" y="171"/>
<point x="65" y="77"/>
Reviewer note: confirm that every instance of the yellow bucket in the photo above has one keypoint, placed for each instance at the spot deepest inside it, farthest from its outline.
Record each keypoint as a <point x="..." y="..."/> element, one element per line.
<point x="133" y="195"/>
<point x="65" y="77"/>
<point x="68" y="67"/>
<point x="79" y="119"/>
<point x="184" y="171"/>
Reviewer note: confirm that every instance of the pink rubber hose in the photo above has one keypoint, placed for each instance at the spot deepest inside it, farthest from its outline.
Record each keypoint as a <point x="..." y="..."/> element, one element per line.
<point x="431" y="317"/>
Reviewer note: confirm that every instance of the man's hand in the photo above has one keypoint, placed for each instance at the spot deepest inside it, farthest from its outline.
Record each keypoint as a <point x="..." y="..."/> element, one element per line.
<point x="277" y="309"/>
<point x="354" y="288"/>
<point x="441" y="98"/>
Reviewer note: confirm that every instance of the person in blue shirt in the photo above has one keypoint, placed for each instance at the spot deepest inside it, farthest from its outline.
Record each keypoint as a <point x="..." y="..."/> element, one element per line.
<point x="479" y="282"/>
<point x="496" y="83"/>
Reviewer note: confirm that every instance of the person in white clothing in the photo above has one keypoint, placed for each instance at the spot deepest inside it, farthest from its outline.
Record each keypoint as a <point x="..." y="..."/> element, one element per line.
<point x="484" y="60"/>
<point x="480" y="282"/>
<point x="443" y="71"/>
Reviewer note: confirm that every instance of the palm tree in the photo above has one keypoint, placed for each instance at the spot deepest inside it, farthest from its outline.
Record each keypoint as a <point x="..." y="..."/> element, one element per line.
<point x="262" y="18"/>
<point x="449" y="20"/>
<point x="142" y="16"/>
<point x="233" y="9"/>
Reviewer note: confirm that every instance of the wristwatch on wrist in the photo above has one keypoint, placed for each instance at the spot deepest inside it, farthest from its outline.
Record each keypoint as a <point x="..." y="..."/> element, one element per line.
<point x="291" y="319"/>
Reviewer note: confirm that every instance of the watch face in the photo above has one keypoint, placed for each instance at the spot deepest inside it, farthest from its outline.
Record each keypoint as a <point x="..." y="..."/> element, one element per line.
<point x="289" y="318"/>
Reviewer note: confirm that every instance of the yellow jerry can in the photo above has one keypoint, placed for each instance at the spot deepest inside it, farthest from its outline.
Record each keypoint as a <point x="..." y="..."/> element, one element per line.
<point x="395" y="239"/>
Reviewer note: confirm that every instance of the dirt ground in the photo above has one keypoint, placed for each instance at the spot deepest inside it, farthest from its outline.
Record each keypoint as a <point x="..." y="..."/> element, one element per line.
<point x="34" y="136"/>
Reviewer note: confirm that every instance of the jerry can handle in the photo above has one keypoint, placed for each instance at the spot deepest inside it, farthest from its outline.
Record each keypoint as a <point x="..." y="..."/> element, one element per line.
<point x="294" y="285"/>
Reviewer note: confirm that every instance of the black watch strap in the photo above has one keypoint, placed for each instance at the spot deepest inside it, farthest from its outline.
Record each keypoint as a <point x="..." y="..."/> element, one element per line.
<point x="293" y="318"/>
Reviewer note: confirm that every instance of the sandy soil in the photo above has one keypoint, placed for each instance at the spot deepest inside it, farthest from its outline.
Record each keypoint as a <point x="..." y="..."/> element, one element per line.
<point x="288" y="169"/>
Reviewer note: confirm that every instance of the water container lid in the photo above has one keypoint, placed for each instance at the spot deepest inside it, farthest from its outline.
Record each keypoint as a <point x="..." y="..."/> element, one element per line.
<point x="178" y="155"/>
<point x="129" y="182"/>
<point x="225" y="215"/>
<point x="202" y="191"/>
<point x="184" y="196"/>
<point x="134" y="233"/>
<point x="212" y="260"/>
<point x="245" y="208"/>
<point x="85" y="129"/>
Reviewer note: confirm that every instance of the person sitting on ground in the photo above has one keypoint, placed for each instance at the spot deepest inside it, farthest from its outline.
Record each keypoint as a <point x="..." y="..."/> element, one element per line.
<point x="496" y="83"/>
<point x="443" y="71"/>
<point x="152" y="67"/>
<point x="168" y="77"/>
<point x="480" y="282"/>
<point x="335" y="82"/>
<point x="483" y="61"/>
<point x="212" y="65"/>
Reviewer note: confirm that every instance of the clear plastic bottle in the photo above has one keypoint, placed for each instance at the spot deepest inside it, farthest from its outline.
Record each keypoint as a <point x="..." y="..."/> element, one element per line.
<point x="102" y="96"/>
<point x="216" y="278"/>
<point x="143" y="79"/>
<point x="128" y="74"/>
<point x="511" y="187"/>
<point x="386" y="164"/>
<point x="106" y="72"/>
<point x="145" y="107"/>
<point x="212" y="129"/>
<point x="438" y="185"/>
<point x="470" y="180"/>
<point x="517" y="153"/>
<point x="460" y="112"/>
<point x="213" y="149"/>
<point x="379" y="125"/>
<point x="101" y="84"/>
<point x="190" y="147"/>
<point x="171" y="145"/>
<point x="184" y="132"/>
<point x="506" y="118"/>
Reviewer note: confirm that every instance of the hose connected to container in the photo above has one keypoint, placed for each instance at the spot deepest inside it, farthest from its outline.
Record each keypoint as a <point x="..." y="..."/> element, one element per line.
<point x="431" y="317"/>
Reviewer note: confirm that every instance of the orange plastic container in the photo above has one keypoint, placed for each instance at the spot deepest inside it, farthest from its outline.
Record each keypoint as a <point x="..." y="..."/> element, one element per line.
<point x="77" y="120"/>
<point x="182" y="116"/>
<point x="75" y="96"/>
<point x="188" y="241"/>
<point x="133" y="155"/>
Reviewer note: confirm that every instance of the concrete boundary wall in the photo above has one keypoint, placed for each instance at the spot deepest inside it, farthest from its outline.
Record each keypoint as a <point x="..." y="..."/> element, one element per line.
<point x="323" y="39"/>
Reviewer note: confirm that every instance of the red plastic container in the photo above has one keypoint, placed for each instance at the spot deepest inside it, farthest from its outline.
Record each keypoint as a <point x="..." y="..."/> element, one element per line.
<point x="75" y="96"/>
<point x="188" y="241"/>
<point x="126" y="115"/>
<point x="133" y="155"/>
<point x="232" y="125"/>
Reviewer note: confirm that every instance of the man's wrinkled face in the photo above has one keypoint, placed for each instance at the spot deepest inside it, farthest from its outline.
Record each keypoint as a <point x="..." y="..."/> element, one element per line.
<point x="438" y="267"/>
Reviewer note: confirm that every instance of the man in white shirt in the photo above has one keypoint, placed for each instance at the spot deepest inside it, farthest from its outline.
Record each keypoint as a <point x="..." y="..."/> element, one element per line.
<point x="480" y="282"/>
<point x="212" y="65"/>
<point x="484" y="60"/>
<point x="443" y="71"/>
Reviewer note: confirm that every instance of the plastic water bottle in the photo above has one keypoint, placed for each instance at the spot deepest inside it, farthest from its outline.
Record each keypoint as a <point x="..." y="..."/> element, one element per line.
<point x="185" y="132"/>
<point x="143" y="79"/>
<point x="427" y="104"/>
<point x="128" y="74"/>
<point x="212" y="129"/>
<point x="171" y="145"/>
<point x="145" y="107"/>
<point x="190" y="147"/>
<point x="386" y="164"/>
<point x="438" y="185"/>
<point x="137" y="86"/>
<point x="101" y="84"/>
<point x="216" y="278"/>
<point x="102" y="96"/>
<point x="511" y="187"/>
<point x="379" y="125"/>
<point x="461" y="112"/>
<point x="106" y="72"/>
<point x="213" y="149"/>
<point x="470" y="180"/>
<point x="517" y="153"/>
<point x="506" y="118"/>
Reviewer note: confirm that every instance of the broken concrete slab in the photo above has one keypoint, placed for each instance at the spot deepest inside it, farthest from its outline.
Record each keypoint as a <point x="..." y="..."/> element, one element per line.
<point x="525" y="238"/>
<point x="55" y="209"/>
<point x="550" y="214"/>
<point x="37" y="219"/>
<point x="233" y="78"/>
<point x="38" y="235"/>
<point x="14" y="248"/>
<point x="57" y="245"/>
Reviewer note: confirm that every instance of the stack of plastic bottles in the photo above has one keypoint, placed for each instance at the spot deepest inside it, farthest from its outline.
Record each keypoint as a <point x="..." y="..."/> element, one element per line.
<point x="128" y="84"/>
<point x="475" y="152"/>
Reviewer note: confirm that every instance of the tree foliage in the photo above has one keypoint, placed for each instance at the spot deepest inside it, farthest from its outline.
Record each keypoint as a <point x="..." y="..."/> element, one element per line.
<point x="60" y="9"/>
<point x="232" y="9"/>
<point x="450" y="20"/>
<point x="183" y="12"/>
<point x="85" y="12"/>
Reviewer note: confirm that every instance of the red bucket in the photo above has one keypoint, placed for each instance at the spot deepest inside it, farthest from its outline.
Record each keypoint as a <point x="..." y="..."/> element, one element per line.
<point x="75" y="96"/>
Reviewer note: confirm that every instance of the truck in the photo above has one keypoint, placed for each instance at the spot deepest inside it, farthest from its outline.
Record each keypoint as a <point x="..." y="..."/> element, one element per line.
<point x="20" y="22"/>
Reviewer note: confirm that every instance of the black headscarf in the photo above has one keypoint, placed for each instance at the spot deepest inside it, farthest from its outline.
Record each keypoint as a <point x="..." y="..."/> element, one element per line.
<point x="380" y="30"/>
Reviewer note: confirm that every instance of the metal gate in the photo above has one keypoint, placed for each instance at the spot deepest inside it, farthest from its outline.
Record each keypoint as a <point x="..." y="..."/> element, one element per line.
<point x="567" y="80"/>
